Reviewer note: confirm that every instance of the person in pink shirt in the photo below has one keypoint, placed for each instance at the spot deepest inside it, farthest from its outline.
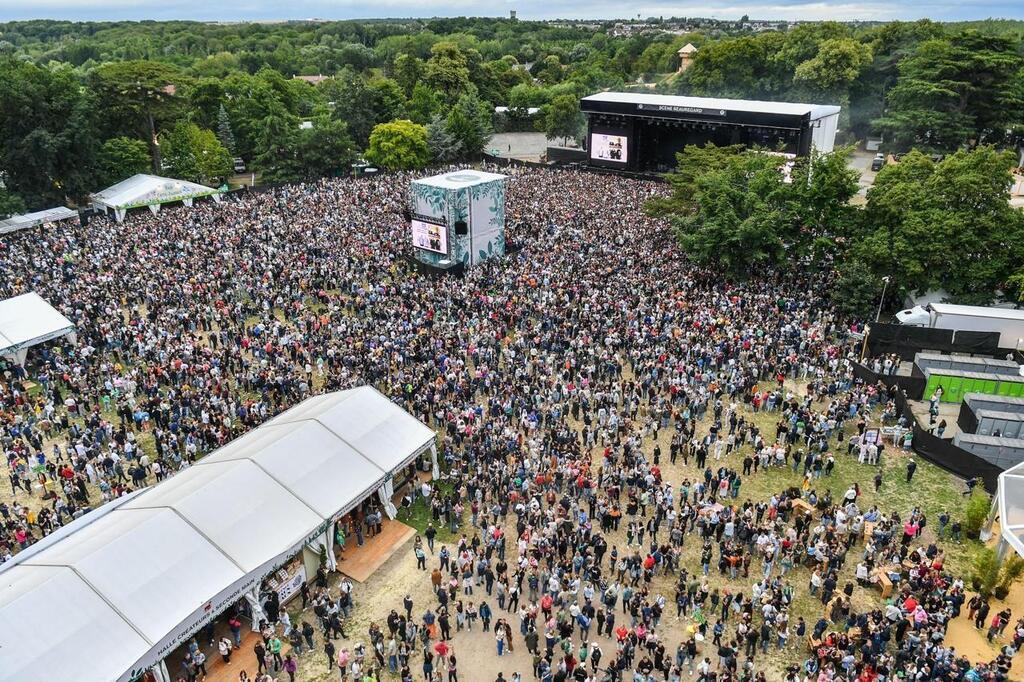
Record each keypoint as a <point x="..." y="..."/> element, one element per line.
<point x="920" y="617"/>
<point x="909" y="532"/>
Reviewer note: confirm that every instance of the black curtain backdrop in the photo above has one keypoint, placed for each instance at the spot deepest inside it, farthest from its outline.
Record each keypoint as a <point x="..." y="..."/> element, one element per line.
<point x="907" y="341"/>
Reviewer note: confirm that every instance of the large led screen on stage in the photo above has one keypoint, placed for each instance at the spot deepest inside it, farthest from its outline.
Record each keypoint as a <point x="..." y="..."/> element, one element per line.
<point x="610" y="148"/>
<point x="429" y="236"/>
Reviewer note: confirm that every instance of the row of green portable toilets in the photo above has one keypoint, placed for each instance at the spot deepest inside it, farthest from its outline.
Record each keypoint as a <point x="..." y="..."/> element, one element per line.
<point x="956" y="384"/>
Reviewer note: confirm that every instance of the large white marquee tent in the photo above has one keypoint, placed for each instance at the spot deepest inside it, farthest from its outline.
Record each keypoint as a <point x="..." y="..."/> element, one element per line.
<point x="151" y="191"/>
<point x="50" y="215"/>
<point x="125" y="585"/>
<point x="28" y="320"/>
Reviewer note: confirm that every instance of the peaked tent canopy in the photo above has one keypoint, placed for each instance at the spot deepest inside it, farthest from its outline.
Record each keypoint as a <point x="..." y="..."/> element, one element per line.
<point x="50" y="215"/>
<point x="141" y="574"/>
<point x="1009" y="506"/>
<point x="28" y="320"/>
<point x="151" y="191"/>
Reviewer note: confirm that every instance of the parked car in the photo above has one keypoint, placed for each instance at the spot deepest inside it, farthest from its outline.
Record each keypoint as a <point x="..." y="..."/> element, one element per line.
<point x="239" y="165"/>
<point x="878" y="162"/>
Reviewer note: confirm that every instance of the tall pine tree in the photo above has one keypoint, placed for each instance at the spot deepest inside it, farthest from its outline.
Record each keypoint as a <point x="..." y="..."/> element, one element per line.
<point x="224" y="132"/>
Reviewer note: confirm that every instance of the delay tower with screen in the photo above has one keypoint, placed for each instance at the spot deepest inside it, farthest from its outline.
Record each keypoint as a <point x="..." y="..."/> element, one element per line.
<point x="457" y="219"/>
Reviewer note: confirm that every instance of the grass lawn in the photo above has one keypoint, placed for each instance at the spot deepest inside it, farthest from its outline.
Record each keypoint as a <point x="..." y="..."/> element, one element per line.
<point x="420" y="516"/>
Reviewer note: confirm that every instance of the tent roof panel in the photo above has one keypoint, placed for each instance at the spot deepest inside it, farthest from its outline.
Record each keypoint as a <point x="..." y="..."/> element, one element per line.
<point x="111" y="586"/>
<point x="149" y="564"/>
<point x="51" y="622"/>
<point x="378" y="428"/>
<point x="28" y="319"/>
<point x="815" y="111"/>
<point x="50" y="215"/>
<point x="143" y="190"/>
<point x="309" y="460"/>
<point x="459" y="179"/>
<point x="229" y="502"/>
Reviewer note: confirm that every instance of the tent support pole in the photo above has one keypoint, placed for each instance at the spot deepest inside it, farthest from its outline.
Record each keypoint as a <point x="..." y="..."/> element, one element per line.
<point x="986" y="529"/>
<point x="253" y="597"/>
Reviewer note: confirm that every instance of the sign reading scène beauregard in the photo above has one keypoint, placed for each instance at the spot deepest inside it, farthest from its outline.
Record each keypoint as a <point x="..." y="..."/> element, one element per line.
<point x="681" y="110"/>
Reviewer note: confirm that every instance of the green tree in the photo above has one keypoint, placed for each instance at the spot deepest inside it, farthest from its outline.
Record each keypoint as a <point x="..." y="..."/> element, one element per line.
<point x="324" y="148"/>
<point x="224" y="132"/>
<point x="733" y="208"/>
<point x="47" y="134"/>
<point x="361" y="104"/>
<point x="727" y="208"/>
<point x="423" y="105"/>
<point x="469" y="123"/>
<point x="122" y="157"/>
<point x="945" y="225"/>
<point x="447" y="71"/>
<point x="818" y="199"/>
<point x="194" y="153"/>
<point x="952" y="92"/>
<point x="407" y="72"/>
<point x="526" y="95"/>
<point x="746" y="67"/>
<point x="549" y="70"/>
<point x="278" y="157"/>
<point x="837" y="64"/>
<point x="140" y="98"/>
<point x="856" y="289"/>
<point x="562" y="119"/>
<point x="388" y="99"/>
<point x="444" y="147"/>
<point x="249" y="101"/>
<point x="399" y="145"/>
<point x="10" y="204"/>
<point x="205" y="99"/>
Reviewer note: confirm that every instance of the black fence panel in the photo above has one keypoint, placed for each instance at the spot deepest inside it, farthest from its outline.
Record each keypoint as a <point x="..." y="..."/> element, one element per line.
<point x="907" y="341"/>
<point x="977" y="343"/>
<point x="912" y="385"/>
<point x="967" y="420"/>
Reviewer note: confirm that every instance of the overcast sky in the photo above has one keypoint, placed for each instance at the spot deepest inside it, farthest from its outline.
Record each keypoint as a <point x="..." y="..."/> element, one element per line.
<point x="240" y="10"/>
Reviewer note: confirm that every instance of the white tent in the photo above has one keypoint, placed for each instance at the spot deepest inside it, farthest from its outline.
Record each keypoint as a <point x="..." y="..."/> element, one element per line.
<point x="142" y="574"/>
<point x="1009" y="506"/>
<point x="28" y="320"/>
<point x="50" y="215"/>
<point x="150" y="191"/>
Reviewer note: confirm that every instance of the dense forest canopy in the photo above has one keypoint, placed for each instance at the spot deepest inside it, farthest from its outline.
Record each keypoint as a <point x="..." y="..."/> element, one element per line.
<point x="84" y="104"/>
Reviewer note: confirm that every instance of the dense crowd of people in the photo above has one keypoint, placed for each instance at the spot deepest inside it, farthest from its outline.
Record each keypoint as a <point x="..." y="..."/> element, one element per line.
<point x="564" y="381"/>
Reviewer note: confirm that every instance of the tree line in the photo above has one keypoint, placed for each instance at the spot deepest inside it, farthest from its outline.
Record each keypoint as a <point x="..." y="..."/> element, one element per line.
<point x="926" y="224"/>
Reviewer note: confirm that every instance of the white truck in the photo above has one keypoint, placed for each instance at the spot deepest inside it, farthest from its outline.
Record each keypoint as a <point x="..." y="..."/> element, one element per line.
<point x="1007" y="321"/>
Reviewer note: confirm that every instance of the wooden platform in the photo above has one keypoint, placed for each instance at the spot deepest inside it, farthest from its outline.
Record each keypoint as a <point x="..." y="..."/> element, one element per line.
<point x="242" y="658"/>
<point x="361" y="562"/>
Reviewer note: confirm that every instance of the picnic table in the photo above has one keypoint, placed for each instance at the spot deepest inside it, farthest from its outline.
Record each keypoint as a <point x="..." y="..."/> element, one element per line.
<point x="801" y="505"/>
<point x="869" y="529"/>
<point x="883" y="579"/>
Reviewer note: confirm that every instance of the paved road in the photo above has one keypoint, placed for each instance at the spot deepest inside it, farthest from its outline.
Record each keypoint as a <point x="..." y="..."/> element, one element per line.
<point x="526" y="146"/>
